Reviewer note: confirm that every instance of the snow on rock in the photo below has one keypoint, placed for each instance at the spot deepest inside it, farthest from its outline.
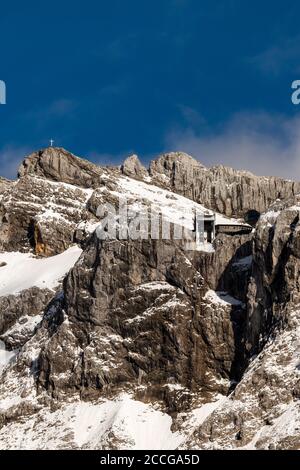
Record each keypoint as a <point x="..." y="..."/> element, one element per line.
<point x="174" y="208"/>
<point x="269" y="218"/>
<point x="136" y="424"/>
<point x="156" y="285"/>
<point x="71" y="187"/>
<point x="177" y="209"/>
<point x="6" y="357"/>
<point x="88" y="226"/>
<point x="130" y="423"/>
<point x="173" y="302"/>
<point x="75" y="199"/>
<point x="23" y="270"/>
<point x="264" y="407"/>
<point x="23" y="329"/>
<point x="221" y="298"/>
<point x="198" y="416"/>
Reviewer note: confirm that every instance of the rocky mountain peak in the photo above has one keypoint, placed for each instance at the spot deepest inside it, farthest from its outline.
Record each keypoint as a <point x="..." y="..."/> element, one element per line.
<point x="172" y="163"/>
<point x="57" y="164"/>
<point x="133" y="168"/>
<point x="227" y="190"/>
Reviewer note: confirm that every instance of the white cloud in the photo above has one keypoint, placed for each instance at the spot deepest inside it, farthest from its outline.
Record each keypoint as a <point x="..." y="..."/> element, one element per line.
<point x="266" y="144"/>
<point x="280" y="57"/>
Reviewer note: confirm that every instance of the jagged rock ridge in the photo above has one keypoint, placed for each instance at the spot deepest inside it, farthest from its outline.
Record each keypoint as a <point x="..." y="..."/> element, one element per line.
<point x="148" y="322"/>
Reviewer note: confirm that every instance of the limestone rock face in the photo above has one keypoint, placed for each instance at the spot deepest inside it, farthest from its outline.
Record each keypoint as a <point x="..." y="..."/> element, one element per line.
<point x="228" y="191"/>
<point x="206" y="340"/>
<point x="176" y="169"/>
<point x="57" y="164"/>
<point x="5" y="184"/>
<point x="276" y="266"/>
<point x="135" y="314"/>
<point x="263" y="411"/>
<point x="226" y="268"/>
<point x="133" y="168"/>
<point x="21" y="314"/>
<point x="42" y="215"/>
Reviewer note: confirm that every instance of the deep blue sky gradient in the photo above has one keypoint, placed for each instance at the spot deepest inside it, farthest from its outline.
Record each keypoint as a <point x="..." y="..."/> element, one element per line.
<point x="106" y="78"/>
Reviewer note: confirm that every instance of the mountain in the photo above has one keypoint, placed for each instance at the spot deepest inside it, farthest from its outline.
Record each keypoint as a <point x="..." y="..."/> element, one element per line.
<point x="149" y="343"/>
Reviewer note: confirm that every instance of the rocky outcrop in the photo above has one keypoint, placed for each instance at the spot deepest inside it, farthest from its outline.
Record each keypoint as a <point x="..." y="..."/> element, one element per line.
<point x="21" y="314"/>
<point x="5" y="184"/>
<point x="28" y="303"/>
<point x="276" y="264"/>
<point x="42" y="215"/>
<point x="176" y="169"/>
<point x="133" y="168"/>
<point x="226" y="268"/>
<point x="263" y="411"/>
<point x="57" y="164"/>
<point x="226" y="190"/>
<point x="135" y="315"/>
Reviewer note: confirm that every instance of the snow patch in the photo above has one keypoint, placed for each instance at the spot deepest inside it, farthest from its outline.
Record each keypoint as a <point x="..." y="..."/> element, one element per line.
<point x="132" y="424"/>
<point x="23" y="270"/>
<point x="6" y="357"/>
<point x="269" y="218"/>
<point x="221" y="298"/>
<point x="177" y="209"/>
<point x="138" y="425"/>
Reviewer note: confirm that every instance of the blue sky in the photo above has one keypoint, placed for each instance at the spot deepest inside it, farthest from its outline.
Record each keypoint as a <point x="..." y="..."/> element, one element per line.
<point x="108" y="78"/>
